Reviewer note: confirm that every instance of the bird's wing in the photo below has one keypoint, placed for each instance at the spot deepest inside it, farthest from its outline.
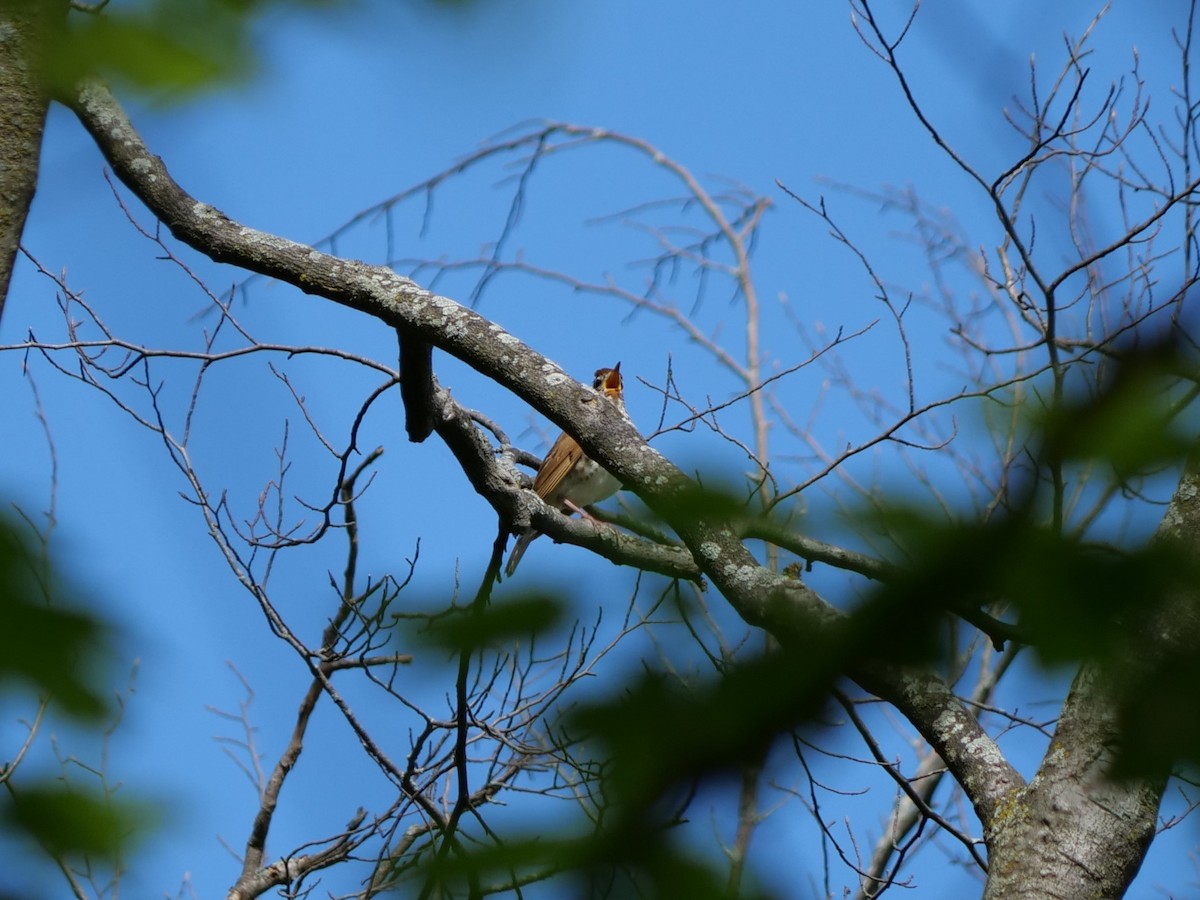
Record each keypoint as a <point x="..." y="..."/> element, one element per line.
<point x="556" y="466"/>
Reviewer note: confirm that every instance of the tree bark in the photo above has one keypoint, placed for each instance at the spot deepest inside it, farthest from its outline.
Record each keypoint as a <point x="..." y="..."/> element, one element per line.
<point x="25" y="30"/>
<point x="1071" y="832"/>
<point x="1074" y="831"/>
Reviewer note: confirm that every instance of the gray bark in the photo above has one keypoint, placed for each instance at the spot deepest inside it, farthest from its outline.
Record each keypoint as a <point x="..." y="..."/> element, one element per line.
<point x="1069" y="833"/>
<point x="24" y="29"/>
<point x="793" y="613"/>
<point x="1073" y="832"/>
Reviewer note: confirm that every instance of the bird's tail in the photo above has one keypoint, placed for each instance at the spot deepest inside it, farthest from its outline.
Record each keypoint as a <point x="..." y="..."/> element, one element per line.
<point x="518" y="551"/>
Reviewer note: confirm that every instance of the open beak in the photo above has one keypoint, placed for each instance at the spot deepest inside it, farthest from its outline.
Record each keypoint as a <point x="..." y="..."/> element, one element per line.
<point x="613" y="381"/>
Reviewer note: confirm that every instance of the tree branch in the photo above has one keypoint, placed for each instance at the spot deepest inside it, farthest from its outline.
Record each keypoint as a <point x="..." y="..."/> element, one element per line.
<point x="792" y="612"/>
<point x="24" y="26"/>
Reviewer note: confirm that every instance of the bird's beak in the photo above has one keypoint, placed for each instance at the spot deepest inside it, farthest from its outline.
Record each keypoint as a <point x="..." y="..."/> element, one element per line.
<point x="613" y="381"/>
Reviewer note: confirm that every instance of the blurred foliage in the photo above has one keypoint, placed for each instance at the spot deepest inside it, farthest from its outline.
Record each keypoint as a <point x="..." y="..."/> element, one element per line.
<point x="165" y="47"/>
<point x="1136" y="417"/>
<point x="1066" y="598"/>
<point x="644" y="864"/>
<point x="471" y="628"/>
<point x="1131" y="612"/>
<point x="71" y="823"/>
<point x="57" y="653"/>
<point x="53" y="649"/>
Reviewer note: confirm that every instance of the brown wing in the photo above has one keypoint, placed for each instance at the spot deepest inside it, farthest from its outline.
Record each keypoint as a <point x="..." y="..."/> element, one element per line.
<point x="557" y="465"/>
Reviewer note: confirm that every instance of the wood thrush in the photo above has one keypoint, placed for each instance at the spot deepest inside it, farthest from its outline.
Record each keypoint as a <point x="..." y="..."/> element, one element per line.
<point x="569" y="479"/>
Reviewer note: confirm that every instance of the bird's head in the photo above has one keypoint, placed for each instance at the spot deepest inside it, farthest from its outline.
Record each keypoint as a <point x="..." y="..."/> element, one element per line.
<point x="609" y="383"/>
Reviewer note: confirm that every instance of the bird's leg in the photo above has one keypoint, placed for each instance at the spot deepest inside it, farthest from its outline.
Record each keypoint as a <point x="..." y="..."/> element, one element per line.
<point x="572" y="506"/>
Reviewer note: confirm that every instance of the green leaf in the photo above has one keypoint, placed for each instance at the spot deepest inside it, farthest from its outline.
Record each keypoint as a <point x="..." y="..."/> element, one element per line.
<point x="1132" y="420"/>
<point x="145" y="54"/>
<point x="54" y="648"/>
<point x="1159" y="712"/>
<point x="471" y="628"/>
<point x="1068" y="599"/>
<point x="585" y="864"/>
<point x="166" y="47"/>
<point x="70" y="822"/>
<point x="661" y="734"/>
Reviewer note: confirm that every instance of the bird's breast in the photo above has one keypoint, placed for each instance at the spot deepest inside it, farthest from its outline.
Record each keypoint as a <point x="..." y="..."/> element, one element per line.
<point x="589" y="483"/>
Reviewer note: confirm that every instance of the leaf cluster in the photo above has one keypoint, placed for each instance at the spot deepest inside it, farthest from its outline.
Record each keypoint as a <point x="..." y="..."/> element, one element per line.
<point x="1013" y="574"/>
<point x="168" y="48"/>
<point x="55" y="654"/>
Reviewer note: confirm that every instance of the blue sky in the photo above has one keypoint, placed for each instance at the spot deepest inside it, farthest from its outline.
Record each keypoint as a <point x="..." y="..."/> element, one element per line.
<point x="352" y="106"/>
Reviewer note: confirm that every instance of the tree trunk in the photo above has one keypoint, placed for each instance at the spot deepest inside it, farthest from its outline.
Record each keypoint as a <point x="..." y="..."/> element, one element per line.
<point x="1073" y="831"/>
<point x="25" y="26"/>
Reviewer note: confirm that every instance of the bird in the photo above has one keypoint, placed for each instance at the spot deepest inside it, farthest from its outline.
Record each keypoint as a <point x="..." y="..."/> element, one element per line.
<point x="569" y="479"/>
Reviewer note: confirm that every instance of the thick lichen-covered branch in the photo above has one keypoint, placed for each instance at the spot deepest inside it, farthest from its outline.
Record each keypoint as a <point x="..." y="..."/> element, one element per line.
<point x="786" y="607"/>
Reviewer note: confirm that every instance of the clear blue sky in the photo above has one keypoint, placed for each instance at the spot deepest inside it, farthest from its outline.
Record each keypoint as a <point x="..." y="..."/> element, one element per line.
<point x="354" y="105"/>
